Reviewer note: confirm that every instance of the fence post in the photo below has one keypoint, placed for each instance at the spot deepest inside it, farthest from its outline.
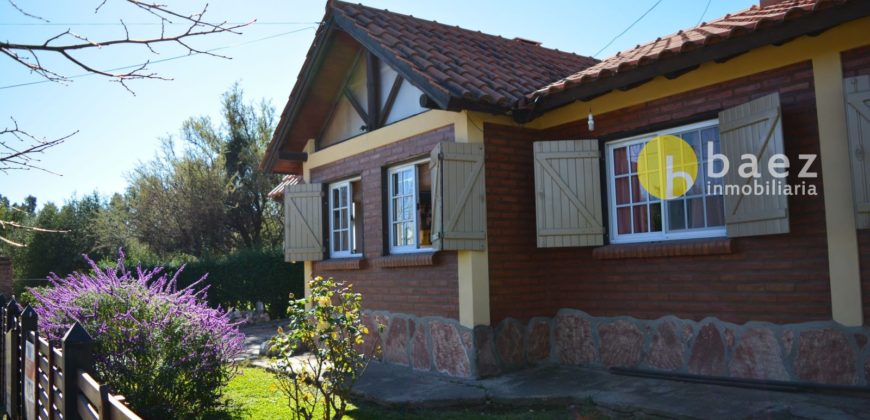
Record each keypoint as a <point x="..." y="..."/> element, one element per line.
<point x="11" y="396"/>
<point x="29" y="321"/>
<point x="2" y="345"/>
<point x="77" y="355"/>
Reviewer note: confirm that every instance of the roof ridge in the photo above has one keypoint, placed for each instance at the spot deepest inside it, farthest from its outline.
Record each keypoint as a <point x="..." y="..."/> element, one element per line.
<point x="334" y="5"/>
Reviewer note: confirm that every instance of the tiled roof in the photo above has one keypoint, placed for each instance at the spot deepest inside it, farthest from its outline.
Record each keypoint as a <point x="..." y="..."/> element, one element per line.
<point x="460" y="63"/>
<point x="735" y="25"/>
<point x="277" y="193"/>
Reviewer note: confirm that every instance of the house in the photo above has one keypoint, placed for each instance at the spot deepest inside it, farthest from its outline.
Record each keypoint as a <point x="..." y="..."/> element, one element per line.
<point x="491" y="197"/>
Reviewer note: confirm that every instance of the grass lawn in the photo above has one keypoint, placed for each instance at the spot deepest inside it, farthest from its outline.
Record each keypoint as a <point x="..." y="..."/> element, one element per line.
<point x="253" y="394"/>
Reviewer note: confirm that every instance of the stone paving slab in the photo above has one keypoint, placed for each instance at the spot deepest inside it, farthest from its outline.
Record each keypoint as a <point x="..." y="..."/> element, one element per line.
<point x="618" y="395"/>
<point x="257" y="334"/>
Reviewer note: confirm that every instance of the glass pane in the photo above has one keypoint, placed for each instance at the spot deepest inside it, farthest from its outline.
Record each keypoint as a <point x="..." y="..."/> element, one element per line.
<point x="715" y="211"/>
<point x="622" y="192"/>
<point x="620" y="164"/>
<point x="407" y="208"/>
<point x="708" y="135"/>
<point x="655" y="212"/>
<point x="633" y="153"/>
<point x="335" y="202"/>
<point x="641" y="219"/>
<point x="676" y="215"/>
<point x="638" y="192"/>
<point x="336" y="241"/>
<point x="691" y="137"/>
<point x="623" y="220"/>
<point x="344" y="218"/>
<point x="695" y="212"/>
<point x="409" y="233"/>
<point x="397" y="234"/>
<point x="344" y="241"/>
<point x="344" y="196"/>
<point x="336" y="219"/>
<point x="394" y="180"/>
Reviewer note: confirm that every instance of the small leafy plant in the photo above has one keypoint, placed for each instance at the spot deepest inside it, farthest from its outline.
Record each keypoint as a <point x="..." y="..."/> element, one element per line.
<point x="329" y="324"/>
<point x="164" y="349"/>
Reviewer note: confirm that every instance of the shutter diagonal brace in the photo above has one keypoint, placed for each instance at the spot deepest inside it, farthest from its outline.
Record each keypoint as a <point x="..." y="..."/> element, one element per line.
<point x="302" y="217"/>
<point x="466" y="191"/>
<point x="542" y="158"/>
<point x="775" y="115"/>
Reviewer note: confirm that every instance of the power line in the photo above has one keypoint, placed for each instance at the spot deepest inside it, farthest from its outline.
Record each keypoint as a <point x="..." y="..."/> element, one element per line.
<point x="628" y="28"/>
<point x="140" y="23"/>
<point x="701" y="19"/>
<point x="166" y="59"/>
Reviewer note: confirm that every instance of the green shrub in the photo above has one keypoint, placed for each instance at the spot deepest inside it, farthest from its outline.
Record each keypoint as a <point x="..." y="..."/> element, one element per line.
<point x="240" y="279"/>
<point x="329" y="323"/>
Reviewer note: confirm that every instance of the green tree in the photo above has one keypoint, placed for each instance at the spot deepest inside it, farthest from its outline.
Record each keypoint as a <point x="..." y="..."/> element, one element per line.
<point x="207" y="195"/>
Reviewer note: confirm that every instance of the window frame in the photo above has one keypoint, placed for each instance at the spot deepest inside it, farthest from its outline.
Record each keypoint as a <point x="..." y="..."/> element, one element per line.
<point x="351" y="214"/>
<point x="405" y="249"/>
<point x="663" y="235"/>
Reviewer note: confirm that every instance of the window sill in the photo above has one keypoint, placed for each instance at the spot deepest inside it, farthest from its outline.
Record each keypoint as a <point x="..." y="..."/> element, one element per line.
<point x="336" y="264"/>
<point x="417" y="259"/>
<point x="682" y="248"/>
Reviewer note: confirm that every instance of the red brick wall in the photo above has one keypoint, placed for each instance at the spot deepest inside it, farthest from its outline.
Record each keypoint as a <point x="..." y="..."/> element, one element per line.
<point x="857" y="62"/>
<point x="781" y="278"/>
<point x="421" y="291"/>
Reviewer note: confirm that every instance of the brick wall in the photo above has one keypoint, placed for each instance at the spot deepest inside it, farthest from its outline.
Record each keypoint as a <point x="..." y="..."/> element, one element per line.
<point x="781" y="278"/>
<point x="856" y="62"/>
<point x="430" y="290"/>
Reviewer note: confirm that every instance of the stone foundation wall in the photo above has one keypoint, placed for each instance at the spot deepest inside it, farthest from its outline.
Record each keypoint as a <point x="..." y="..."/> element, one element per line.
<point x="433" y="344"/>
<point x="819" y="352"/>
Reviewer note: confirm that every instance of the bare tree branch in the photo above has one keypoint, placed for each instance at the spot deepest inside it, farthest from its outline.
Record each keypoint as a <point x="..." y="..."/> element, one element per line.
<point x="20" y="154"/>
<point x="20" y="10"/>
<point x="28" y="54"/>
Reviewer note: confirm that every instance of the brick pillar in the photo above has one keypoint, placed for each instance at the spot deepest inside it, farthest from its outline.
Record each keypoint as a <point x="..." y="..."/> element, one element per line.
<point x="5" y="276"/>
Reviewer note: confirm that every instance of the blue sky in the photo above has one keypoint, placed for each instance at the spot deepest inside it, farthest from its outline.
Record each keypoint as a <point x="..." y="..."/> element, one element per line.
<point x="117" y="130"/>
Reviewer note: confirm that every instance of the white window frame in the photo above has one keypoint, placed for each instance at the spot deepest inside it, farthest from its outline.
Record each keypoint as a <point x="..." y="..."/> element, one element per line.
<point x="664" y="235"/>
<point x="405" y="249"/>
<point x="351" y="215"/>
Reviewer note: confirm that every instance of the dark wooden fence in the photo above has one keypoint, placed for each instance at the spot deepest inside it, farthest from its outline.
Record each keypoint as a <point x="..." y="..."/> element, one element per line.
<point x="43" y="381"/>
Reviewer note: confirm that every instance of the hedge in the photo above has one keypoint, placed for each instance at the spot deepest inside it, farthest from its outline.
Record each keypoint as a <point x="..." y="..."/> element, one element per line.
<point x="240" y="279"/>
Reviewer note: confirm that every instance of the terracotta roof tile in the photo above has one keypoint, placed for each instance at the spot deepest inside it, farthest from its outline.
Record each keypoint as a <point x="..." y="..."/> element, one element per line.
<point x="463" y="63"/>
<point x="730" y="26"/>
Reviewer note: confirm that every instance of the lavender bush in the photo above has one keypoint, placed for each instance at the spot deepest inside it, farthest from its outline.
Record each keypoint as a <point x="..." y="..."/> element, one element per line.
<point x="164" y="349"/>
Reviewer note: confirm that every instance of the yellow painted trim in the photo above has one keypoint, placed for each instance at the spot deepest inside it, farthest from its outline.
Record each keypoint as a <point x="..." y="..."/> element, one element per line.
<point x="383" y="136"/>
<point x="847" y="36"/>
<point x="473" y="266"/>
<point x="843" y="260"/>
<point x="307" y="272"/>
<point x="473" y="288"/>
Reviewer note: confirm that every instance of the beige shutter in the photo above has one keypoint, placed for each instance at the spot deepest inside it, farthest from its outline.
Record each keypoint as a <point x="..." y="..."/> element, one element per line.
<point x="303" y="222"/>
<point x="857" y="91"/>
<point x="459" y="197"/>
<point x="568" y="193"/>
<point x="753" y="128"/>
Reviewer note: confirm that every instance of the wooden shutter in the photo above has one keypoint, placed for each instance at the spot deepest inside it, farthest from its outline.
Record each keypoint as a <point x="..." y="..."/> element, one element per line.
<point x="568" y="193"/>
<point x="753" y="128"/>
<point x="857" y="90"/>
<point x="303" y="222"/>
<point x="459" y="197"/>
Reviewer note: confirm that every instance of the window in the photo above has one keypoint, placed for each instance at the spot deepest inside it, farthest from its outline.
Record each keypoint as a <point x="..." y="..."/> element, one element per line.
<point x="636" y="216"/>
<point x="345" y="217"/>
<point x="410" y="205"/>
